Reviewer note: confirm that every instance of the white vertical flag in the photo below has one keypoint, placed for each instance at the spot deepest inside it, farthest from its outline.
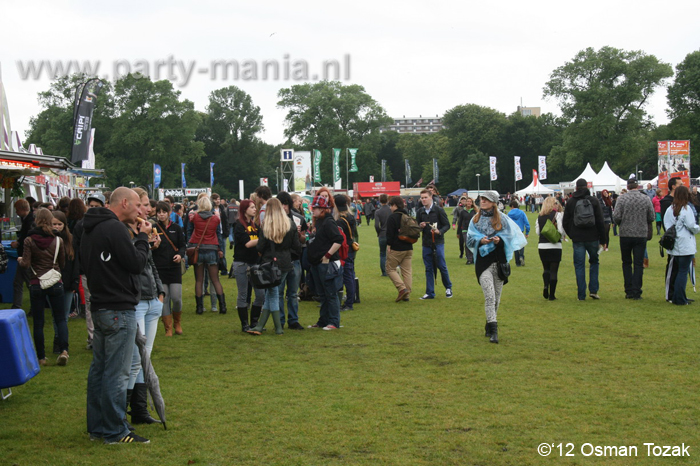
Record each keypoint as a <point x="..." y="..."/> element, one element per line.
<point x="542" y="167"/>
<point x="518" y="172"/>
<point x="492" y="161"/>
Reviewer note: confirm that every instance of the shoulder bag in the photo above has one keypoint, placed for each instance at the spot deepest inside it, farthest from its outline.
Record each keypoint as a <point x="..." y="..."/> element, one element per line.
<point x="354" y="244"/>
<point x="53" y="276"/>
<point x="183" y="265"/>
<point x="193" y="252"/>
<point x="550" y="232"/>
<point x="668" y="240"/>
<point x="265" y="274"/>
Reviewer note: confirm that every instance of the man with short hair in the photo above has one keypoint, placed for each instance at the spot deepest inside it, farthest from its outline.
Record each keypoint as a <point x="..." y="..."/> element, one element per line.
<point x="634" y="212"/>
<point x="264" y="194"/>
<point x="399" y="252"/>
<point x="22" y="274"/>
<point x="667" y="200"/>
<point x="114" y="262"/>
<point x="587" y="234"/>
<point x="433" y="220"/>
<point x="381" y="216"/>
<point x="232" y="218"/>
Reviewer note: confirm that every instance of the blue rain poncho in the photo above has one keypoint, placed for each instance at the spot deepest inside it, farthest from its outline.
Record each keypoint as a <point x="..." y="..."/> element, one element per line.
<point x="513" y="239"/>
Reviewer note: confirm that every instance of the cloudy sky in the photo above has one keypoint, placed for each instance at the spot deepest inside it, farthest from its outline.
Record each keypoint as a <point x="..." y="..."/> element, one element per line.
<point x="414" y="57"/>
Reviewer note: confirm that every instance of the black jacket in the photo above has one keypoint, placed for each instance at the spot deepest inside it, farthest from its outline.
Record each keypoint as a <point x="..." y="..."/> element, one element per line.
<point x="327" y="234"/>
<point x="283" y="251"/>
<point x="23" y="232"/>
<point x="393" y="225"/>
<point x="584" y="235"/>
<point x="437" y="215"/>
<point x="111" y="260"/>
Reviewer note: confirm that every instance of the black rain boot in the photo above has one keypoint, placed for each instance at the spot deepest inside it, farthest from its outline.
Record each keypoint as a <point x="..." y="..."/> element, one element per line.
<point x="258" y="329"/>
<point x="222" y="303"/>
<point x="545" y="278"/>
<point x="494" y="332"/>
<point x="254" y="315"/>
<point x="487" y="330"/>
<point x="243" y="315"/>
<point x="279" y="327"/>
<point x="200" y="304"/>
<point x="139" y="405"/>
<point x="357" y="291"/>
<point x="552" y="290"/>
<point x="128" y="402"/>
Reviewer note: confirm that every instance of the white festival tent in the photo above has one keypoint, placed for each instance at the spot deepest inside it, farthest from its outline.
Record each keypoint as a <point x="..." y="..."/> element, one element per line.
<point x="607" y="179"/>
<point x="536" y="187"/>
<point x="588" y="174"/>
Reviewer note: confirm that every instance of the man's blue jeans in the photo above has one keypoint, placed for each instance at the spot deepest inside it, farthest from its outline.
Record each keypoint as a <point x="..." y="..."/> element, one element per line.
<point x="382" y="254"/>
<point x="328" y="292"/>
<point x="112" y="349"/>
<point x="580" y="250"/>
<point x="292" y="282"/>
<point x="441" y="265"/>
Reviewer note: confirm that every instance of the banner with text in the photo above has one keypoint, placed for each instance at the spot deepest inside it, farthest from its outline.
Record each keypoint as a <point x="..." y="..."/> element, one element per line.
<point x="302" y="171"/>
<point x="317" y="166"/>
<point x="542" y="167"/>
<point x="518" y="171"/>
<point x="353" y="162"/>
<point x="674" y="161"/>
<point x="492" y="163"/>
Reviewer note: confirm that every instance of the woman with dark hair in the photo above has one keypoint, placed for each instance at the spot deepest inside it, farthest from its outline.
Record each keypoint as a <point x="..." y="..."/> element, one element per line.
<point x="321" y="252"/>
<point x="70" y="273"/>
<point x="245" y="239"/>
<point x="207" y="235"/>
<point x="469" y="211"/>
<point x="168" y="258"/>
<point x="682" y="216"/>
<point x="607" y="207"/>
<point x="76" y="211"/>
<point x="278" y="238"/>
<point x="44" y="251"/>
<point x="493" y="238"/>
<point x="346" y="221"/>
<point x="63" y="204"/>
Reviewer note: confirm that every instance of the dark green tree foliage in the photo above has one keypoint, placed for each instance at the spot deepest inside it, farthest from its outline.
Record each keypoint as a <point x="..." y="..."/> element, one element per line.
<point x="327" y="115"/>
<point x="602" y="95"/>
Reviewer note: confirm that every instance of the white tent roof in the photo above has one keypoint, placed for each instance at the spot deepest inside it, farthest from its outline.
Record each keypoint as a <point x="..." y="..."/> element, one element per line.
<point x="535" y="189"/>
<point x="606" y="177"/>
<point x="588" y="173"/>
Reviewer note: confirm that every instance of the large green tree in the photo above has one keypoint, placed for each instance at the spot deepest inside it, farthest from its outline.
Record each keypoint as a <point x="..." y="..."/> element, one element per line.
<point x="327" y="115"/>
<point x="602" y="95"/>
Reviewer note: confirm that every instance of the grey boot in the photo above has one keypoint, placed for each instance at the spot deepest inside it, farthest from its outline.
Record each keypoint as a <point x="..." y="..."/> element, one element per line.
<point x="257" y="330"/>
<point x="278" y="322"/>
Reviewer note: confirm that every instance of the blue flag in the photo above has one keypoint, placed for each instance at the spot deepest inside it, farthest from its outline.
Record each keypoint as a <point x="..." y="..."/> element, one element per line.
<point x="184" y="183"/>
<point x="211" y="174"/>
<point x="156" y="175"/>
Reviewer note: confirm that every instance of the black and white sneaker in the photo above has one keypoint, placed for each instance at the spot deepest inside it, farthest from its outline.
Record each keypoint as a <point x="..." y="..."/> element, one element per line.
<point x="448" y="293"/>
<point x="129" y="438"/>
<point x="427" y="296"/>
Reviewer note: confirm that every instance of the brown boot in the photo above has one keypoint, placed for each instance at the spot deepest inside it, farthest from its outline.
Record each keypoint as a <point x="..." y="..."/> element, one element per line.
<point x="646" y="263"/>
<point x="168" y="322"/>
<point x="176" y="319"/>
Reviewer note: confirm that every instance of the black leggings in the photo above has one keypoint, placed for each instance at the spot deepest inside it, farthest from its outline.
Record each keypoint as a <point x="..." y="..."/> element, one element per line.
<point x="213" y="276"/>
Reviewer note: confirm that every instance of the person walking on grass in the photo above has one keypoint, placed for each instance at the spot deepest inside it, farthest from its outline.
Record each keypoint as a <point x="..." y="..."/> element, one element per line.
<point x="399" y="251"/>
<point x="433" y="221"/>
<point x="380" y="218"/>
<point x="550" y="252"/>
<point x="584" y="224"/>
<point x="114" y="263"/>
<point x="634" y="213"/>
<point x="493" y="237"/>
<point x="520" y="219"/>
<point x="469" y="211"/>
<point x="681" y="256"/>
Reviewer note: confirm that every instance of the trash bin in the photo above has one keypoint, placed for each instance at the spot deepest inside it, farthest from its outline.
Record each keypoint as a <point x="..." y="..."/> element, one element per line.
<point x="7" y="292"/>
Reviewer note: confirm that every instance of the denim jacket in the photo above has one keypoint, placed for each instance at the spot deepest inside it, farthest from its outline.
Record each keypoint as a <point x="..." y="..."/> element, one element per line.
<point x="686" y="229"/>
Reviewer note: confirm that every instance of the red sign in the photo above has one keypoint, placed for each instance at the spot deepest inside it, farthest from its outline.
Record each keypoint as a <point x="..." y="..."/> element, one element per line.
<point x="390" y="188"/>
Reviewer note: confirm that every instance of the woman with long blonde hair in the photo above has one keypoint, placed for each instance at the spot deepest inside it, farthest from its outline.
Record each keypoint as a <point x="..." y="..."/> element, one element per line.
<point x="550" y="253"/>
<point x="277" y="240"/>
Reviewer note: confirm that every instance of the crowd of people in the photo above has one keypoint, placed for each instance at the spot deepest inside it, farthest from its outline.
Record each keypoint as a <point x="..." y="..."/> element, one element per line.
<point x="119" y="260"/>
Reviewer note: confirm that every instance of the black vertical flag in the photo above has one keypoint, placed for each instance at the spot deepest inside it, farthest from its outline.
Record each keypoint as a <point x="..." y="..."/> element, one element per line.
<point x="82" y="122"/>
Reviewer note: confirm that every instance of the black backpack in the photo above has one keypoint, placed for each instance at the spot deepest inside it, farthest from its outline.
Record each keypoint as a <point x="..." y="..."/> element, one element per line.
<point x="584" y="215"/>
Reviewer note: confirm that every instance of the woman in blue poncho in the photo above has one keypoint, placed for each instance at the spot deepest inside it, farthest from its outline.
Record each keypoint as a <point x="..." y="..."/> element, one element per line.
<point x="492" y="237"/>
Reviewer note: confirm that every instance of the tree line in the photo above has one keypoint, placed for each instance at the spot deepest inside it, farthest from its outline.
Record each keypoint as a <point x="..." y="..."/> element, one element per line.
<point x="601" y="94"/>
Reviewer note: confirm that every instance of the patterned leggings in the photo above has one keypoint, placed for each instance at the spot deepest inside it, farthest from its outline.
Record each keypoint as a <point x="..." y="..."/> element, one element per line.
<point x="492" y="286"/>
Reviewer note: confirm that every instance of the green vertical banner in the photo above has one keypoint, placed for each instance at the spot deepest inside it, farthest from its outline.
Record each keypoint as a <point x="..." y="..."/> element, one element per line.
<point x="353" y="165"/>
<point x="336" y="165"/>
<point x="317" y="166"/>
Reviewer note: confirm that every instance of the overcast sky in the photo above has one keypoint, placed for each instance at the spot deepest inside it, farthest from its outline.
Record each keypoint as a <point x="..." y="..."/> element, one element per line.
<point x="413" y="57"/>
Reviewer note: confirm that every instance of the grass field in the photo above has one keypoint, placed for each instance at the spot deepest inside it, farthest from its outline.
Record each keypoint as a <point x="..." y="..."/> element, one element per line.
<point x="412" y="383"/>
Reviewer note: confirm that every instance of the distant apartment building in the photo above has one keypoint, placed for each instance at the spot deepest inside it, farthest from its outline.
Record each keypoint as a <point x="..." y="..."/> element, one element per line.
<point x="416" y="125"/>
<point x="529" y="111"/>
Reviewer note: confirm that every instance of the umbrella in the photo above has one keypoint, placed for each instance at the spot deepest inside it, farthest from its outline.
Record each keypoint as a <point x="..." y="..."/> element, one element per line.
<point x="434" y="248"/>
<point x="692" y="274"/>
<point x="150" y="377"/>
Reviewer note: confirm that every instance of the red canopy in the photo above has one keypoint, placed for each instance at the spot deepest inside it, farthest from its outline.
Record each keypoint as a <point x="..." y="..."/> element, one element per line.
<point x="390" y="188"/>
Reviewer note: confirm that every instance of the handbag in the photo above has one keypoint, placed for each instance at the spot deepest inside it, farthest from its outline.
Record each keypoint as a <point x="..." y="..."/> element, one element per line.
<point x="193" y="252"/>
<point x="551" y="232"/>
<point x="183" y="265"/>
<point x="53" y="276"/>
<point x="265" y="274"/>
<point x="668" y="240"/>
<point x="354" y="244"/>
<point x="502" y="265"/>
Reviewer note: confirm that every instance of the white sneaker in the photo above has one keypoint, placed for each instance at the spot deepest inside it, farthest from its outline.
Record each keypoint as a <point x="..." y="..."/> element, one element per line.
<point x="448" y="293"/>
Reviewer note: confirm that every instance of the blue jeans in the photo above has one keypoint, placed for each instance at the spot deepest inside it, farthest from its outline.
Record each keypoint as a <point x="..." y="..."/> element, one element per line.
<point x="580" y="249"/>
<point x="382" y="254"/>
<point x="38" y="299"/>
<point x="272" y="295"/>
<point x="292" y="282"/>
<point x="67" y="302"/>
<point x="519" y="256"/>
<point x="147" y="315"/>
<point x="349" y="278"/>
<point x="112" y="348"/>
<point x="681" y="281"/>
<point x="328" y="292"/>
<point x="441" y="265"/>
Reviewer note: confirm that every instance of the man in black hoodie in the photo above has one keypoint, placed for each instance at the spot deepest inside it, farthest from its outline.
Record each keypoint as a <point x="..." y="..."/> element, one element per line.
<point x="22" y="275"/>
<point x="586" y="237"/>
<point x="114" y="263"/>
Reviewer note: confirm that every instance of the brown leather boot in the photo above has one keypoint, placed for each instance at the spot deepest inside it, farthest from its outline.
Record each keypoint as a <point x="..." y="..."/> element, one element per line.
<point x="168" y="323"/>
<point x="646" y="263"/>
<point x="176" y="319"/>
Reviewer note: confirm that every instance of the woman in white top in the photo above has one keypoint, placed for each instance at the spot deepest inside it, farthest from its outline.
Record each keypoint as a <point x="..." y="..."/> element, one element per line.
<point x="550" y="252"/>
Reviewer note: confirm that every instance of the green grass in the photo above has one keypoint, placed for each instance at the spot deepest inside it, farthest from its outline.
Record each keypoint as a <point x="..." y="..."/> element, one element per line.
<point x="401" y="384"/>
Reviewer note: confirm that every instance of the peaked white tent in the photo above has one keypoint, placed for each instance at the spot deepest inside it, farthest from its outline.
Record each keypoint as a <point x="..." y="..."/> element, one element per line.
<point x="607" y="179"/>
<point x="536" y="187"/>
<point x="588" y="174"/>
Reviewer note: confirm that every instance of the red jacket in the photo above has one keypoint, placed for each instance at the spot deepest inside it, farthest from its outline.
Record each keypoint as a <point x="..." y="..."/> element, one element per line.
<point x="199" y="220"/>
